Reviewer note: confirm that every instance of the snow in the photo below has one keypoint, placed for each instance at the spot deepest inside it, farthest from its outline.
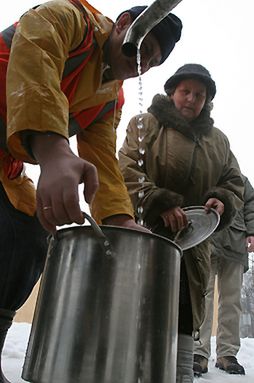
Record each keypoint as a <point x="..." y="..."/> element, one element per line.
<point x="245" y="358"/>
<point x="17" y="338"/>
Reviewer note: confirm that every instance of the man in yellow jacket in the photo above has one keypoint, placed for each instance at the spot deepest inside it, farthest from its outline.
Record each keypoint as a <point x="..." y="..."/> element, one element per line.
<point x="61" y="74"/>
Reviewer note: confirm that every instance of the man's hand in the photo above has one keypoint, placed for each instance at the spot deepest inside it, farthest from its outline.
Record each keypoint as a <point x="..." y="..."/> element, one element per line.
<point x="125" y="221"/>
<point x="61" y="173"/>
<point x="250" y="243"/>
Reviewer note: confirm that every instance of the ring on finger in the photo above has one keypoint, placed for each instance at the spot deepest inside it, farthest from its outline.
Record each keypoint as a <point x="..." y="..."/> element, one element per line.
<point x="47" y="208"/>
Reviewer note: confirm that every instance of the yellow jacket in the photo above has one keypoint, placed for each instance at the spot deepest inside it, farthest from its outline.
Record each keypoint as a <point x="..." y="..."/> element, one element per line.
<point x="40" y="47"/>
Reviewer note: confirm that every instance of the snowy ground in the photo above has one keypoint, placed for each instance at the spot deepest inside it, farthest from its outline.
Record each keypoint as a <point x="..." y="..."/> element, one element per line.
<point x="17" y="338"/>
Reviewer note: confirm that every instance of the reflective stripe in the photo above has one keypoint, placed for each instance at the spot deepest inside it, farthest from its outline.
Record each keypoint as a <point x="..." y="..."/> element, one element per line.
<point x="92" y="115"/>
<point x="77" y="61"/>
<point x="73" y="63"/>
<point x="80" y="54"/>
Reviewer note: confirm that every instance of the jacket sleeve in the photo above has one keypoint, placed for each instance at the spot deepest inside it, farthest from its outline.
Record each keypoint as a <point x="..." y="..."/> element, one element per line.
<point x="143" y="191"/>
<point x="229" y="190"/>
<point x="41" y="44"/>
<point x="248" y="207"/>
<point x="97" y="145"/>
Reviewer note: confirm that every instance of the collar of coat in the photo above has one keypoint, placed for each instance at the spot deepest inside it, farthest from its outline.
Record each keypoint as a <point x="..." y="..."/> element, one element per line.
<point x="165" y="112"/>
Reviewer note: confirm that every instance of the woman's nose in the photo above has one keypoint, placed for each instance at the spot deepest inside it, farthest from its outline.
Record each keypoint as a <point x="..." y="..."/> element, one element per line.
<point x="191" y="97"/>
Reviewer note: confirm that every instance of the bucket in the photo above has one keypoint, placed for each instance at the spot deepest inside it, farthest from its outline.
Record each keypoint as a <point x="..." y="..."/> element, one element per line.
<point x="107" y="311"/>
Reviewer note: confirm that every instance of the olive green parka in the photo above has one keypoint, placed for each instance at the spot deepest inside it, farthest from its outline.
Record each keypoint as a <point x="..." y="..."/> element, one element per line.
<point x="184" y="164"/>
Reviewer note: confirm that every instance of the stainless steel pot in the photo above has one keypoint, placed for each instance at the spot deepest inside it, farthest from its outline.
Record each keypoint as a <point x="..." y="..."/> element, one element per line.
<point x="107" y="312"/>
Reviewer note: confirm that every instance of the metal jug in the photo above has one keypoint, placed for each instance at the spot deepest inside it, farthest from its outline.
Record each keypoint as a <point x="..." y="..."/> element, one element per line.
<point x="107" y="310"/>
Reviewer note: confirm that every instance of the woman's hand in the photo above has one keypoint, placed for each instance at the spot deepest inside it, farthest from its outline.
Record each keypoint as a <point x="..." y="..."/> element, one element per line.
<point x="216" y="204"/>
<point x="175" y="219"/>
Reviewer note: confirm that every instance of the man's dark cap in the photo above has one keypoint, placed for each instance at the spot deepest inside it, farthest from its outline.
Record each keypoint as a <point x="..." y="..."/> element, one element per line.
<point x="167" y="32"/>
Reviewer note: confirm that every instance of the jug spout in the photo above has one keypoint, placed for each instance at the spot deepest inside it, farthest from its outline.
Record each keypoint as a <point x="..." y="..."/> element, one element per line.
<point x="144" y="23"/>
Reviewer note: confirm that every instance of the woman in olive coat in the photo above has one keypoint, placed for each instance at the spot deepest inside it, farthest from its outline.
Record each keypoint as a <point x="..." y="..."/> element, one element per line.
<point x="173" y="157"/>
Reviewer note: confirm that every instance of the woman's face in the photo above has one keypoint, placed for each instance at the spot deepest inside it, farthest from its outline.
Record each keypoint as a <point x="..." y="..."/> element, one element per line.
<point x="189" y="98"/>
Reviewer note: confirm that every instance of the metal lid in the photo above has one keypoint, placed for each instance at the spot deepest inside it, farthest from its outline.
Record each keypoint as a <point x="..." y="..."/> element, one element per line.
<point x="201" y="225"/>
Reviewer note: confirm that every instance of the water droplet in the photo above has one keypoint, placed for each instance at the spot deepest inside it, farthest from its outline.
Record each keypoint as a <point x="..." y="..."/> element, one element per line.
<point x="140" y="127"/>
<point x="140" y="209"/>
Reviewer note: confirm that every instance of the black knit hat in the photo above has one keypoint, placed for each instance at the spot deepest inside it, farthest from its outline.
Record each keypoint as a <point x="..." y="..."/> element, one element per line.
<point x="192" y="71"/>
<point x="167" y="32"/>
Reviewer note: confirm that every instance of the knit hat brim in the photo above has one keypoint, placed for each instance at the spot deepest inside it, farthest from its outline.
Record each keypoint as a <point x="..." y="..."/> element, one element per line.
<point x="194" y="71"/>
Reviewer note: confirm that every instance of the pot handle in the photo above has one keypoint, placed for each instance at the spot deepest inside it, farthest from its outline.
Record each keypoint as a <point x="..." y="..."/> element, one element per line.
<point x="104" y="242"/>
<point x="99" y="233"/>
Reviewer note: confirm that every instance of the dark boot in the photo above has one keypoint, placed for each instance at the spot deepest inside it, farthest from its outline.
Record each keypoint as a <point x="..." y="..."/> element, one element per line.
<point x="230" y="365"/>
<point x="6" y="317"/>
<point x="200" y="365"/>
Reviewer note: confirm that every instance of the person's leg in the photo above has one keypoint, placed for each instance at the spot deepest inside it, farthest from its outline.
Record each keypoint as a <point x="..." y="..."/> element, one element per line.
<point x="23" y="248"/>
<point x="6" y="317"/>
<point x="230" y="276"/>
<point x="184" y="372"/>
<point x="202" y="347"/>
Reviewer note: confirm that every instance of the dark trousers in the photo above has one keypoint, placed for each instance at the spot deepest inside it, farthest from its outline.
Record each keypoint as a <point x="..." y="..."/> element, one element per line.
<point x="23" y="249"/>
<point x="185" y="321"/>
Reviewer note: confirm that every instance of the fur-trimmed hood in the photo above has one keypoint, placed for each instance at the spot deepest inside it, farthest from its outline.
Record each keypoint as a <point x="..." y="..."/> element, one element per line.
<point x="165" y="112"/>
